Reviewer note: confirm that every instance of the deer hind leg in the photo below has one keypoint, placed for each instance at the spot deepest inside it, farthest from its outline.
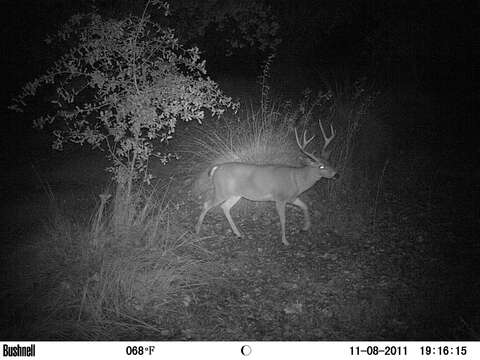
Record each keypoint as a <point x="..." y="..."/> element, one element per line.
<point x="209" y="204"/>
<point x="281" y="212"/>
<point x="226" y="206"/>
<point x="306" y="215"/>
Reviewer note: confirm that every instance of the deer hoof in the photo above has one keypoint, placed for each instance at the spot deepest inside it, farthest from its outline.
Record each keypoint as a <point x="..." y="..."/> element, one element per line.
<point x="237" y="234"/>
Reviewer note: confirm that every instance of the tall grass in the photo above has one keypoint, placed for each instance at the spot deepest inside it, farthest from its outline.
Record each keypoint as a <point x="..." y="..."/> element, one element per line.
<point x="255" y="136"/>
<point x="93" y="281"/>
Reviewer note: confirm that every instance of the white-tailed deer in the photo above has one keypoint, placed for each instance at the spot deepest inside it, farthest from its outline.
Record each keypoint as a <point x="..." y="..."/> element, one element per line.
<point x="279" y="183"/>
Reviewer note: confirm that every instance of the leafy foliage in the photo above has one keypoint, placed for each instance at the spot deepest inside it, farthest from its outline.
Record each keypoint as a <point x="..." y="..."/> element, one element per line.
<point x="242" y="24"/>
<point x="137" y="81"/>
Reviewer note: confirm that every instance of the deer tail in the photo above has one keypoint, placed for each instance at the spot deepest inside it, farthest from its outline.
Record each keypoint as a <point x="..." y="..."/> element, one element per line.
<point x="212" y="170"/>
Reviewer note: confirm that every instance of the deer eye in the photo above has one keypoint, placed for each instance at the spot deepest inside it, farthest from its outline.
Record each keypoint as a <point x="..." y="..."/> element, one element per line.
<point x="321" y="166"/>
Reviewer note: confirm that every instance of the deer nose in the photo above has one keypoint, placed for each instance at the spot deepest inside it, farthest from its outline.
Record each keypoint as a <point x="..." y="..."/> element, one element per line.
<point x="336" y="176"/>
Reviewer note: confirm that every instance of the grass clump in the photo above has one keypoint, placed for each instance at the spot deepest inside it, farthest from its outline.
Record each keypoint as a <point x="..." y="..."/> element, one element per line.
<point x="96" y="281"/>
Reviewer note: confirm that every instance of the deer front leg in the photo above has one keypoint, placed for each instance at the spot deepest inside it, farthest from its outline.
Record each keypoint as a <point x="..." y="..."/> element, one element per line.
<point x="306" y="215"/>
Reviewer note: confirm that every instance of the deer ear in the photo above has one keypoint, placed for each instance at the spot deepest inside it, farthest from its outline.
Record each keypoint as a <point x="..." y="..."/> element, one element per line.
<point x="326" y="154"/>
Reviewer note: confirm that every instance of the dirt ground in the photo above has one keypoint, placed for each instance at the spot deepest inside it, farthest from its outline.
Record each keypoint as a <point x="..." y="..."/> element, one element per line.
<point x="408" y="271"/>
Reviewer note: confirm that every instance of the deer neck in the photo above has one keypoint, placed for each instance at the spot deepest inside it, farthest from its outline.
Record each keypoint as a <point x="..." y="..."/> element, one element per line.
<point x="305" y="178"/>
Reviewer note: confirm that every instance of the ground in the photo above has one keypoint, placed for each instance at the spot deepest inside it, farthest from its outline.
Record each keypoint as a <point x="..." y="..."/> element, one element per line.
<point x="405" y="271"/>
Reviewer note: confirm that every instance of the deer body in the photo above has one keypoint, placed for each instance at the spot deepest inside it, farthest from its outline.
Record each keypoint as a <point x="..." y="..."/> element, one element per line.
<point x="279" y="183"/>
<point x="262" y="182"/>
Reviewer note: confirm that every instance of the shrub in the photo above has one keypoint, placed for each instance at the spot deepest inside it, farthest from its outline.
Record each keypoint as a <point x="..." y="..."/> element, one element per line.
<point x="136" y="81"/>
